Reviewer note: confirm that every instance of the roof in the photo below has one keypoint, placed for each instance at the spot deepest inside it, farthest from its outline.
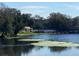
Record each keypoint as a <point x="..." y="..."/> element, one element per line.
<point x="27" y="27"/>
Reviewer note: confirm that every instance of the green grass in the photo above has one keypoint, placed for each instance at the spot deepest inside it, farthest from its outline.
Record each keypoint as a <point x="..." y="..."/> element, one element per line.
<point x="26" y="33"/>
<point x="39" y="42"/>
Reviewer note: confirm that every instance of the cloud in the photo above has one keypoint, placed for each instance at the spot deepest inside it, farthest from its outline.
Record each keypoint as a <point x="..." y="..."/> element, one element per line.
<point x="74" y="7"/>
<point x="32" y="7"/>
<point x="31" y="11"/>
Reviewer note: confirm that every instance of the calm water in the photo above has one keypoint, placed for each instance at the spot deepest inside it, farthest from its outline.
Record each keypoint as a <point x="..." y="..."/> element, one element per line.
<point x="30" y="50"/>
<point x="63" y="37"/>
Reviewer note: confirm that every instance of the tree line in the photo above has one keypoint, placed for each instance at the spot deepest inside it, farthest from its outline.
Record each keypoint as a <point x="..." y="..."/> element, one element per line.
<point x="12" y="21"/>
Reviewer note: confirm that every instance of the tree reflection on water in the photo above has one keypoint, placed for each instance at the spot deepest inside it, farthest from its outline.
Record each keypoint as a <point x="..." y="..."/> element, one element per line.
<point x="23" y="49"/>
<point x="57" y="49"/>
<point x="15" y="51"/>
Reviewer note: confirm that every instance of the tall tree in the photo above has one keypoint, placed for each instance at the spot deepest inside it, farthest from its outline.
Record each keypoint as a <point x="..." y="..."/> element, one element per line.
<point x="59" y="22"/>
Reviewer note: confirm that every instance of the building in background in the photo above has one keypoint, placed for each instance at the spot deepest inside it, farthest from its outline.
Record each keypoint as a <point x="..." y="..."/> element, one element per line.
<point x="28" y="29"/>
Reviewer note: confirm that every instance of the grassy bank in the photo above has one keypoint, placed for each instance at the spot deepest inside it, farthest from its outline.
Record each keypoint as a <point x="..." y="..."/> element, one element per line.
<point x="26" y="33"/>
<point x="32" y="33"/>
<point x="22" y="35"/>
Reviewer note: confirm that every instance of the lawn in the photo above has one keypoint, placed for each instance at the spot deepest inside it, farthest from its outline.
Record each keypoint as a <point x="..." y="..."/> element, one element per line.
<point x="26" y="33"/>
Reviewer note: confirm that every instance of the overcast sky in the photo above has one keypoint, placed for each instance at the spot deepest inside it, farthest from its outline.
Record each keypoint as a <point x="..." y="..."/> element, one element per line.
<point x="45" y="8"/>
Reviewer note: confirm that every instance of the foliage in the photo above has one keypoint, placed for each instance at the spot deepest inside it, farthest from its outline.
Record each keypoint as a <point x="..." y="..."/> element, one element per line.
<point x="12" y="21"/>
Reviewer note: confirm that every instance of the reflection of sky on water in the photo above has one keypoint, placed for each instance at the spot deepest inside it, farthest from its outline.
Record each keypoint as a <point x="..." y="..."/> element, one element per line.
<point x="39" y="51"/>
<point x="61" y="51"/>
<point x="30" y="50"/>
<point x="62" y="37"/>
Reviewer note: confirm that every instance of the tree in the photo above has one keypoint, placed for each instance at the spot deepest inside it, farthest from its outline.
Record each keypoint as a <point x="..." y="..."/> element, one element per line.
<point x="6" y="20"/>
<point x="59" y="22"/>
<point x="20" y="21"/>
<point x="38" y="22"/>
<point x="75" y="24"/>
<point x="12" y="21"/>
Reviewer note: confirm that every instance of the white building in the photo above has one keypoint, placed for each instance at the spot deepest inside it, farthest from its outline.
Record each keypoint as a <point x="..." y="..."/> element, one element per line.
<point x="28" y="29"/>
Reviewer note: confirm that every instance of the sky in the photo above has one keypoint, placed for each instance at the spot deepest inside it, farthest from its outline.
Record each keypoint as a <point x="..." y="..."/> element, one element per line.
<point x="45" y="8"/>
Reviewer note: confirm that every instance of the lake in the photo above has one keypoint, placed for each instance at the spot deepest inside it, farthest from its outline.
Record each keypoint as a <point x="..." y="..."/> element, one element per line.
<point x="30" y="50"/>
<point x="57" y="37"/>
